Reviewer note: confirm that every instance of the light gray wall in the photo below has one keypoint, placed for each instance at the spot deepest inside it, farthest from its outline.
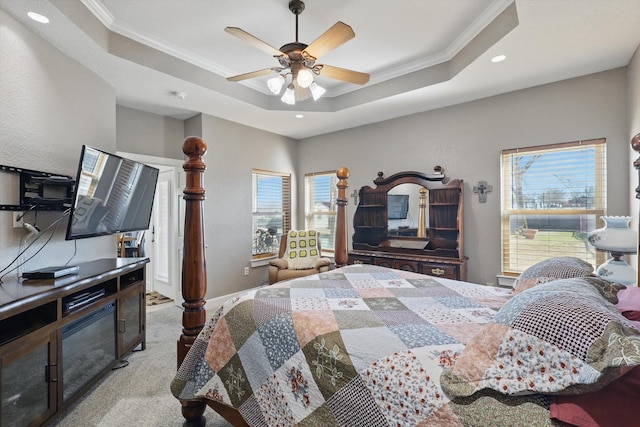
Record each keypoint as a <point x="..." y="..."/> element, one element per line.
<point x="633" y="83"/>
<point x="233" y="151"/>
<point x="145" y="133"/>
<point x="466" y="140"/>
<point x="49" y="106"/>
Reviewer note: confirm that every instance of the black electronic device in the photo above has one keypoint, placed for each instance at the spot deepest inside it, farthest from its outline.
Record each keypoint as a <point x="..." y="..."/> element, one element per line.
<point x="397" y="206"/>
<point x="112" y="195"/>
<point x="51" y="272"/>
<point x="80" y="300"/>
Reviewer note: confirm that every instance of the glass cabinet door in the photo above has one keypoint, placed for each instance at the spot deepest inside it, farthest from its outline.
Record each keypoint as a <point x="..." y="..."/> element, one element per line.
<point x="27" y="380"/>
<point x="131" y="322"/>
<point x="88" y="348"/>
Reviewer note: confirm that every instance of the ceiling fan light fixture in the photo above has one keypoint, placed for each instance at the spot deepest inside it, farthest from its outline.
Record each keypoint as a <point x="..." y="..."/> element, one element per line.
<point x="289" y="96"/>
<point x="299" y="59"/>
<point x="316" y="91"/>
<point x="305" y="78"/>
<point x="275" y="84"/>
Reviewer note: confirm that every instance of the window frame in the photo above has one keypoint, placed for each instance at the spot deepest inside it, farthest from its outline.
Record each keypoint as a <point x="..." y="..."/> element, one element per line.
<point x="598" y="209"/>
<point x="285" y="210"/>
<point x="309" y="212"/>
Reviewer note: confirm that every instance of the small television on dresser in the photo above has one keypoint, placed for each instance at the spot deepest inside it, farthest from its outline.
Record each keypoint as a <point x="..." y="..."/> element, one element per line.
<point x="112" y="195"/>
<point x="397" y="206"/>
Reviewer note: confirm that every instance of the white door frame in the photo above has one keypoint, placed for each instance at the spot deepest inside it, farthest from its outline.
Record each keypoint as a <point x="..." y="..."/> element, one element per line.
<point x="176" y="225"/>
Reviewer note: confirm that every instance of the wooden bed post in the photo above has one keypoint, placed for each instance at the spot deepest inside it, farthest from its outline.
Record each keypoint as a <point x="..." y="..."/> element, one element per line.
<point x="194" y="268"/>
<point x="341" y="256"/>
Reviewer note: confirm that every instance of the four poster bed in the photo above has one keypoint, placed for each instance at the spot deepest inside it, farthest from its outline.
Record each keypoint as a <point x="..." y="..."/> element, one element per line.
<point x="363" y="345"/>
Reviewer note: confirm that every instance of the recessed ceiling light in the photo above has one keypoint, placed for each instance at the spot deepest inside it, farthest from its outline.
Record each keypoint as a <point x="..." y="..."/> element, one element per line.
<point x="498" y="58"/>
<point x="38" y="18"/>
<point x="299" y="116"/>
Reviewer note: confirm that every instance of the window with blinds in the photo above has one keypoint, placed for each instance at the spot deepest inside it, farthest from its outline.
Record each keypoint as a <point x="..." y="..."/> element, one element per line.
<point x="271" y="211"/>
<point x="551" y="197"/>
<point x="320" y="208"/>
<point x="93" y="164"/>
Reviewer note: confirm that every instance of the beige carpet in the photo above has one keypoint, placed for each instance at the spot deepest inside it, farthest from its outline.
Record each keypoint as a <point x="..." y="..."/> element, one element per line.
<point x="138" y="394"/>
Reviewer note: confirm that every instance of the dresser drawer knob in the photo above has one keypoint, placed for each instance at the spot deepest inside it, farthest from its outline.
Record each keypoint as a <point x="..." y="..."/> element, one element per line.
<point x="437" y="271"/>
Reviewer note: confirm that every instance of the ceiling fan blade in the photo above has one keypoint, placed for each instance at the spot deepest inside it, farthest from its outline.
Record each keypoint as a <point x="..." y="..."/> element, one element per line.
<point x="252" y="74"/>
<point x="339" y="34"/>
<point x="254" y="41"/>
<point x="344" y="74"/>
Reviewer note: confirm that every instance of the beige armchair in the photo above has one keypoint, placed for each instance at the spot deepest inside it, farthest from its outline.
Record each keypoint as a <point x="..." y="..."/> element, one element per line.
<point x="299" y="256"/>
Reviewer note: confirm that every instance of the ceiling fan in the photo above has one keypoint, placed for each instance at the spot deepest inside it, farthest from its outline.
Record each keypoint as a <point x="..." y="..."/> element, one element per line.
<point x="298" y="61"/>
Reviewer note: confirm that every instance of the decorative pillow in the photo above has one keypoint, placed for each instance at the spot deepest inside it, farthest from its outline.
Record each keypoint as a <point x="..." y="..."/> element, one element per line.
<point x="629" y="302"/>
<point x="563" y="267"/>
<point x="608" y="290"/>
<point x="558" y="337"/>
<point x="615" y="405"/>
<point x="302" y="249"/>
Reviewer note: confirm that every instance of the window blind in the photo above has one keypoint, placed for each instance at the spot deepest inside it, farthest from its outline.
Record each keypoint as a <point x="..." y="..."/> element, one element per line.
<point x="321" y="193"/>
<point x="271" y="211"/>
<point x="551" y="197"/>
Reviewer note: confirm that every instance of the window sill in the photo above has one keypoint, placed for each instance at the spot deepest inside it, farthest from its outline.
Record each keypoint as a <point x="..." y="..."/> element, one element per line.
<point x="261" y="262"/>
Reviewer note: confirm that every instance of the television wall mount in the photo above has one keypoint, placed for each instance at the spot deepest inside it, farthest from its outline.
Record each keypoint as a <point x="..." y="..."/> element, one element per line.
<point x="41" y="190"/>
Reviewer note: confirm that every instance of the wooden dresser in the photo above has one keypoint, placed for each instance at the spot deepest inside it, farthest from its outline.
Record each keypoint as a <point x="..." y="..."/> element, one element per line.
<point x="433" y="246"/>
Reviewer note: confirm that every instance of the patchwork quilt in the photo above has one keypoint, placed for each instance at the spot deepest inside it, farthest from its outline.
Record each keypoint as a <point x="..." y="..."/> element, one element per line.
<point x="361" y="345"/>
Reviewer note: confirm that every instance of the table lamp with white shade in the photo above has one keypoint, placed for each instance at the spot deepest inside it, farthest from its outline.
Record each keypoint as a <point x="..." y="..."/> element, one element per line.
<point x="618" y="239"/>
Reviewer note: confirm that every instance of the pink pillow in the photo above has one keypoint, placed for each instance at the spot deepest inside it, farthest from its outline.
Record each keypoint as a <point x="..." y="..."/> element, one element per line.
<point x="629" y="302"/>
<point x="615" y="405"/>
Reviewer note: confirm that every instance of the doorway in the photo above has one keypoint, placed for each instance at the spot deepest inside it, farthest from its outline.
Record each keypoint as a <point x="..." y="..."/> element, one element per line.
<point x="163" y="240"/>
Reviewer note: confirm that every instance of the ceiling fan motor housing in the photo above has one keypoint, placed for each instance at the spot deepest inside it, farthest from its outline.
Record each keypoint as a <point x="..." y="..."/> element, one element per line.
<point x="294" y="49"/>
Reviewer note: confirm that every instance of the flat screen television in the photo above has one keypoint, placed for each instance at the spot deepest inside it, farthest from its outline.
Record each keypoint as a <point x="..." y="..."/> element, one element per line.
<point x="397" y="206"/>
<point x="112" y="195"/>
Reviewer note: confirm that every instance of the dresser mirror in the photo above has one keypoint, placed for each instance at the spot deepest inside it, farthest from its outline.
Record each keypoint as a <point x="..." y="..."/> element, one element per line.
<point x="403" y="210"/>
